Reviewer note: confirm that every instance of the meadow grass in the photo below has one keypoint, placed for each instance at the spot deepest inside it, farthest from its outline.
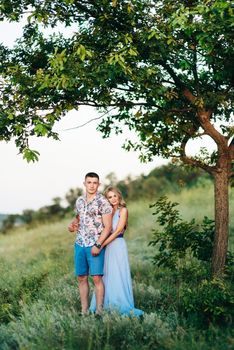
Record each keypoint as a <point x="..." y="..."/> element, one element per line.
<point x="40" y="305"/>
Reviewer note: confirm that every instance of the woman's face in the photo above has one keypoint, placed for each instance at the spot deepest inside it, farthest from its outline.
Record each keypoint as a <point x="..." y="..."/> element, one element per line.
<point x="113" y="198"/>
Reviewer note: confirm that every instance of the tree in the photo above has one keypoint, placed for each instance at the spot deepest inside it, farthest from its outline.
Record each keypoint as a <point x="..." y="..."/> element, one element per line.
<point x="28" y="216"/>
<point x="9" y="223"/>
<point x="164" y="68"/>
<point x="110" y="180"/>
<point x="71" y="197"/>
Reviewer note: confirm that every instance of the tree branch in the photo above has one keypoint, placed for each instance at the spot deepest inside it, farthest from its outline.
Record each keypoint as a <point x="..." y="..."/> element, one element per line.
<point x="167" y="81"/>
<point x="194" y="69"/>
<point x="132" y="104"/>
<point x="80" y="126"/>
<point x="174" y="76"/>
<point x="231" y="149"/>
<point x="188" y="95"/>
<point x="89" y="121"/>
<point x="220" y="140"/>
<point x="194" y="162"/>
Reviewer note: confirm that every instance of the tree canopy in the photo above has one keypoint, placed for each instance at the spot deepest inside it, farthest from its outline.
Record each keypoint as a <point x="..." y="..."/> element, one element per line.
<point x="163" y="68"/>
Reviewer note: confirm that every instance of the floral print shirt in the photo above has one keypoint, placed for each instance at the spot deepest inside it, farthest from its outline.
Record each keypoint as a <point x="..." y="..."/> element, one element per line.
<point x="90" y="214"/>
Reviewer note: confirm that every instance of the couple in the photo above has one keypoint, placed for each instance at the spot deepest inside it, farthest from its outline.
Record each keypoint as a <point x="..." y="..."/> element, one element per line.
<point x="101" y="251"/>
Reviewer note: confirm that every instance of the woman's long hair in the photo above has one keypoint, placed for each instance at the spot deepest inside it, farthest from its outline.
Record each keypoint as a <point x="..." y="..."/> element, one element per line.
<point x="118" y="192"/>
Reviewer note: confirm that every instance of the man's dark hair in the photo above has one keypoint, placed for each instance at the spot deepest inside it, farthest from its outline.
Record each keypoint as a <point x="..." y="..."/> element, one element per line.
<point x="92" y="175"/>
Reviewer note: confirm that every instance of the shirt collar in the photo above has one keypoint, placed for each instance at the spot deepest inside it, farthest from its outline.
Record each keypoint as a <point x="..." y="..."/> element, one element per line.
<point x="98" y="195"/>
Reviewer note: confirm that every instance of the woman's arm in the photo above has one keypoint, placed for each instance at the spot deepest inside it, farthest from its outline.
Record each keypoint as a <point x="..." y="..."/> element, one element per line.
<point x="123" y="218"/>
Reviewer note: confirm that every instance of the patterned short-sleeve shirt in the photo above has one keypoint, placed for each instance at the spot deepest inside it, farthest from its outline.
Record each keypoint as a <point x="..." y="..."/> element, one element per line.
<point x="90" y="214"/>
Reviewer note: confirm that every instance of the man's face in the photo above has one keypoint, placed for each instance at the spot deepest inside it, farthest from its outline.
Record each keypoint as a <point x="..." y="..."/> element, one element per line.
<point x="91" y="184"/>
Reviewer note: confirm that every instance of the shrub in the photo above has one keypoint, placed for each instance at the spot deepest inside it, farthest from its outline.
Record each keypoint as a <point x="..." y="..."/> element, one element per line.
<point x="180" y="238"/>
<point x="9" y="306"/>
<point x="210" y="301"/>
<point x="31" y="284"/>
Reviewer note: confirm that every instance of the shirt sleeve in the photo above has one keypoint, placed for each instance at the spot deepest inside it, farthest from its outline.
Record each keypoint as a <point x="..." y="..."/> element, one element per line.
<point x="76" y="208"/>
<point x="105" y="208"/>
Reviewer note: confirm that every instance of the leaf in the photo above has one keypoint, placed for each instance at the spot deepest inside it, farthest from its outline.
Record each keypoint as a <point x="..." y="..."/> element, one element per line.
<point x="10" y="116"/>
<point x="40" y="130"/>
<point x="30" y="155"/>
<point x="133" y="52"/>
<point x="152" y="34"/>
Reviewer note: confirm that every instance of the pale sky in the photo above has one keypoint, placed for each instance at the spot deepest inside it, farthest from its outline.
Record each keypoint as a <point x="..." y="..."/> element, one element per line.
<point x="62" y="164"/>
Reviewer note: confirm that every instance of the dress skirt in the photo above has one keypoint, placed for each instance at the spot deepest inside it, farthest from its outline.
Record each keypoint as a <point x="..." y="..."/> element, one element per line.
<point x="117" y="280"/>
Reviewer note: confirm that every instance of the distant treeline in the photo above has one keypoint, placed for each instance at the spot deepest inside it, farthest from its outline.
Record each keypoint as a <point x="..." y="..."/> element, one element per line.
<point x="52" y="212"/>
<point x="165" y="179"/>
<point x="161" y="180"/>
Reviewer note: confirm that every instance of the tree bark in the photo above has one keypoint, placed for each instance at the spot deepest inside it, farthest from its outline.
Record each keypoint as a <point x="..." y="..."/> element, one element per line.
<point x="221" y="185"/>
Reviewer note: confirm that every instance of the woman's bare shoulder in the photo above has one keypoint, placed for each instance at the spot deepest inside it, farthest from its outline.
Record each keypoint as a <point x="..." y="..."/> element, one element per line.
<point x="123" y="210"/>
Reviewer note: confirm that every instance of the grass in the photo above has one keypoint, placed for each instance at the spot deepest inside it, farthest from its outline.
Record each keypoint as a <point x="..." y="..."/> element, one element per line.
<point x="39" y="302"/>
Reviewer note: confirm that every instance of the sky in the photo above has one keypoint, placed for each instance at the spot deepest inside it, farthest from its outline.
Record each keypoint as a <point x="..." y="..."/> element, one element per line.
<point x="63" y="164"/>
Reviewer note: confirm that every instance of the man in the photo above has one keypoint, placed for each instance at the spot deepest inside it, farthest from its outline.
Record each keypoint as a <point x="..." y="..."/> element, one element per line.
<point x="93" y="225"/>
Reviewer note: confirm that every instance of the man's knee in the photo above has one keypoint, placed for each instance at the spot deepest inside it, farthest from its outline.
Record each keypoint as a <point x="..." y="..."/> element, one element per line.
<point x="97" y="280"/>
<point x="82" y="279"/>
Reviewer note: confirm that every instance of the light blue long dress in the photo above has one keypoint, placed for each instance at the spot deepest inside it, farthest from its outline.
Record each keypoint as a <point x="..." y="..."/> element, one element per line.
<point x="117" y="278"/>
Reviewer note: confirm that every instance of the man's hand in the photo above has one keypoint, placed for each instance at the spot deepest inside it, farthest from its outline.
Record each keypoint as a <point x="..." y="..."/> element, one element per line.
<point x="73" y="226"/>
<point x="95" y="251"/>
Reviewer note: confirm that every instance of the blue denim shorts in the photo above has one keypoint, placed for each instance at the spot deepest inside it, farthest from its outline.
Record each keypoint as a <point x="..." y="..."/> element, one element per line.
<point x="86" y="263"/>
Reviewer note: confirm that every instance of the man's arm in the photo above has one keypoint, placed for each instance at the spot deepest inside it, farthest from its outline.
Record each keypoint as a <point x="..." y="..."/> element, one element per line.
<point x="73" y="226"/>
<point x="107" y="222"/>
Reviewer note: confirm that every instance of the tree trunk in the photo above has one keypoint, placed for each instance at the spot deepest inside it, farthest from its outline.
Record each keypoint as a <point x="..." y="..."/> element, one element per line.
<point x="221" y="218"/>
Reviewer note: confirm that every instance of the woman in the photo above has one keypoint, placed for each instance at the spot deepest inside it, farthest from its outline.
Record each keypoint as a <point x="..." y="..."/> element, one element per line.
<point x="117" y="278"/>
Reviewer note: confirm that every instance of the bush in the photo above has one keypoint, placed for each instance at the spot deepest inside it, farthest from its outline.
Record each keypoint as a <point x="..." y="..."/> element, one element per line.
<point x="58" y="327"/>
<point x="13" y="298"/>
<point x="180" y="238"/>
<point x="9" y="305"/>
<point x="210" y="301"/>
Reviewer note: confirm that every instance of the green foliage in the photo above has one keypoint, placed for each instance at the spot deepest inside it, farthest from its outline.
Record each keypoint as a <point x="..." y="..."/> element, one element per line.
<point x="180" y="238"/>
<point x="160" y="72"/>
<point x="164" y="70"/>
<point x="10" y="221"/>
<point x="31" y="217"/>
<point x="210" y="301"/>
<point x="44" y="310"/>
<point x="71" y="197"/>
<point x="30" y="285"/>
<point x="169" y="178"/>
<point x="9" y="305"/>
<point x="31" y="155"/>
<point x="152" y="297"/>
<point x="12" y="300"/>
<point x="185" y="247"/>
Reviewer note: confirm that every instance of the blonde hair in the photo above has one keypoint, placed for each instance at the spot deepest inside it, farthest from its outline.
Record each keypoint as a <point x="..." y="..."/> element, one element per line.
<point x="118" y="192"/>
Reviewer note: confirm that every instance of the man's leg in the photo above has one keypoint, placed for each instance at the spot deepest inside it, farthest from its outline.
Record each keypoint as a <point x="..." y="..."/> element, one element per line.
<point x="99" y="292"/>
<point x="96" y="265"/>
<point x="84" y="293"/>
<point x="81" y="271"/>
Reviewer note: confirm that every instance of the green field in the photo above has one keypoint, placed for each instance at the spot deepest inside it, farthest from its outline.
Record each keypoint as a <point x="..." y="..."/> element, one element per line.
<point x="39" y="302"/>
